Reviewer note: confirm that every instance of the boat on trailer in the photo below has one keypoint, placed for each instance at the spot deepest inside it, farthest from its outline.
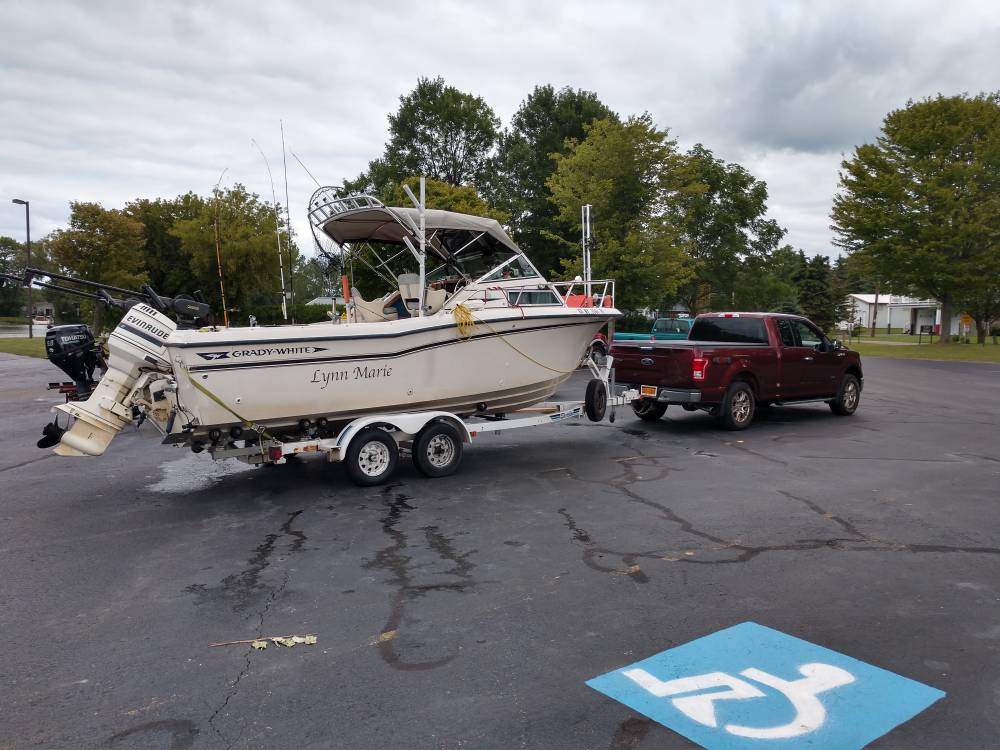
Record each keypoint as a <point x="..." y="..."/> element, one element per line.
<point x="470" y="331"/>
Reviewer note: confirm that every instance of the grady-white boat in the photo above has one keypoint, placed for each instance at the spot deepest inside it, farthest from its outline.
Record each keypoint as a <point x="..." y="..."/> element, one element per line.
<point x="479" y="333"/>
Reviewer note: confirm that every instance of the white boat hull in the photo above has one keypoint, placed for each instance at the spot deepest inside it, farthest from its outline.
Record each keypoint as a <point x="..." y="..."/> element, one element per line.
<point x="509" y="360"/>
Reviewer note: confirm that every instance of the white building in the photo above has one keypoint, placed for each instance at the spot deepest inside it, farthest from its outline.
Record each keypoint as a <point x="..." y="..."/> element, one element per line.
<point x="905" y="314"/>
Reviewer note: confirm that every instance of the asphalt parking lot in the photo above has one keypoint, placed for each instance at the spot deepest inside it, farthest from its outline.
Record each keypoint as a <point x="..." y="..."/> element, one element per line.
<point x="469" y="611"/>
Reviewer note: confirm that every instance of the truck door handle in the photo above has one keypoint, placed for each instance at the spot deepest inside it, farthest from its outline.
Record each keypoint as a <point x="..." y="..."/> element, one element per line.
<point x="647" y="361"/>
<point x="808" y="359"/>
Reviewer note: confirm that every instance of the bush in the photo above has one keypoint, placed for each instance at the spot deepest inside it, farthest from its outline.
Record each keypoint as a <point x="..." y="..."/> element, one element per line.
<point x="634" y="322"/>
<point x="268" y="315"/>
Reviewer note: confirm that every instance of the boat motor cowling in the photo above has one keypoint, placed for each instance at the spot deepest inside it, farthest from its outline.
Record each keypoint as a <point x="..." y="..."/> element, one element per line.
<point x="73" y="350"/>
<point x="135" y="346"/>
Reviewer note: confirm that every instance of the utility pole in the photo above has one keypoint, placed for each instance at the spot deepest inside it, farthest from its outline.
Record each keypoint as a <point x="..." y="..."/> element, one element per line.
<point x="875" y="309"/>
<point x="27" y="232"/>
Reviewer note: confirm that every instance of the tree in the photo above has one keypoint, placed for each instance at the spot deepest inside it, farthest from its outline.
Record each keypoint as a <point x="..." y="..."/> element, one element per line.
<point x="102" y="245"/>
<point x="169" y="267"/>
<point x="248" y="244"/>
<point x="12" y="257"/>
<point x="624" y="170"/>
<point x="771" y="283"/>
<point x="545" y="124"/>
<point x="464" y="199"/>
<point x="720" y="209"/>
<point x="922" y="204"/>
<point x="816" y="293"/>
<point x="439" y="132"/>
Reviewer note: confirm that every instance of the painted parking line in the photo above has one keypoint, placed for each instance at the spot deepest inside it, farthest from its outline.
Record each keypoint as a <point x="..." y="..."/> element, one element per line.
<point x="749" y="686"/>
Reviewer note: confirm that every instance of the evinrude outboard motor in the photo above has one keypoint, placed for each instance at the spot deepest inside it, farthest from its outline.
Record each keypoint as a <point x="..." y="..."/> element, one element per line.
<point x="137" y="357"/>
<point x="73" y="350"/>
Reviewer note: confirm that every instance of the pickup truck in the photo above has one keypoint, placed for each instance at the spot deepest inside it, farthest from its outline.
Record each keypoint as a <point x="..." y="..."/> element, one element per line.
<point x="733" y="363"/>
<point x="664" y="329"/>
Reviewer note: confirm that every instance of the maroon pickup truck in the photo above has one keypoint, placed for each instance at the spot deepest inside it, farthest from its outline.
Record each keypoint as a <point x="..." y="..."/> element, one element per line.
<point x="734" y="362"/>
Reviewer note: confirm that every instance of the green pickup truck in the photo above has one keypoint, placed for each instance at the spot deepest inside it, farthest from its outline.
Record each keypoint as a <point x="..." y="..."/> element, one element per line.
<point x="664" y="329"/>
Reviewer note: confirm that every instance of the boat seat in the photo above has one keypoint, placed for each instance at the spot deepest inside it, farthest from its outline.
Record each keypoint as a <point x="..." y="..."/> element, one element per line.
<point x="435" y="300"/>
<point x="409" y="290"/>
<point x="373" y="311"/>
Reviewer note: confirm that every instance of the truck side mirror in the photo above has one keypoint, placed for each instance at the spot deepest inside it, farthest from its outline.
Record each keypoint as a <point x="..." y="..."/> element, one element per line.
<point x="837" y="344"/>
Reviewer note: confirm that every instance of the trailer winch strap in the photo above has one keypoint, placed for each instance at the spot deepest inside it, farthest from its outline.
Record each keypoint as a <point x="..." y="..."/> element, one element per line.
<point x="259" y="429"/>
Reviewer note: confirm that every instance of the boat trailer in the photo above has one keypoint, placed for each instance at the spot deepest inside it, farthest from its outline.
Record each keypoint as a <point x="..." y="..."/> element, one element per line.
<point x="370" y="447"/>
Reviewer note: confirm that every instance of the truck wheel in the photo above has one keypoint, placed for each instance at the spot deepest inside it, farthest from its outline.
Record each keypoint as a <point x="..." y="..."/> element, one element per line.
<point x="595" y="401"/>
<point x="848" y="397"/>
<point x="437" y="451"/>
<point x="371" y="457"/>
<point x="648" y="411"/>
<point x="738" y="405"/>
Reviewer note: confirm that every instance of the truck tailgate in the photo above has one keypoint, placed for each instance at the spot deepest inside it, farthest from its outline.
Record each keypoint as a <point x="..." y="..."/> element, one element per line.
<point x="652" y="363"/>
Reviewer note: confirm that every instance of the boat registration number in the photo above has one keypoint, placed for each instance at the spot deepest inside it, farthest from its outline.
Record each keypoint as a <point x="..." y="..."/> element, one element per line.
<point x="647" y="390"/>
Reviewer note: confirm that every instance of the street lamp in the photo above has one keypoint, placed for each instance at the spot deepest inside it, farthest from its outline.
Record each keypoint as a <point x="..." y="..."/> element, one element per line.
<point x="27" y="231"/>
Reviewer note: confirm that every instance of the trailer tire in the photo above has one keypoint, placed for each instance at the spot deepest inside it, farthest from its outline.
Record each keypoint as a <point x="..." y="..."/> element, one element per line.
<point x="595" y="401"/>
<point x="372" y="457"/>
<point x="738" y="406"/>
<point x="648" y="411"/>
<point x="437" y="451"/>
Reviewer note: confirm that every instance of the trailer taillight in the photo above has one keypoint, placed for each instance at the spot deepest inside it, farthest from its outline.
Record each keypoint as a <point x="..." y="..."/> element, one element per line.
<point x="698" y="367"/>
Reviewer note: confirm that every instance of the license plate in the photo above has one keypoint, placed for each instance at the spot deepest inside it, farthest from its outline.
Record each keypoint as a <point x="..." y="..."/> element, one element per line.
<point x="647" y="390"/>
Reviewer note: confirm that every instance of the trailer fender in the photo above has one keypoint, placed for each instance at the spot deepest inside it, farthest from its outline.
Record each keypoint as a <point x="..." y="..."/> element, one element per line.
<point x="406" y="425"/>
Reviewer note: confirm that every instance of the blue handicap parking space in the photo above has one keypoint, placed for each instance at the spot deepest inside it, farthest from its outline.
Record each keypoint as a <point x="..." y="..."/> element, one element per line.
<point x="753" y="687"/>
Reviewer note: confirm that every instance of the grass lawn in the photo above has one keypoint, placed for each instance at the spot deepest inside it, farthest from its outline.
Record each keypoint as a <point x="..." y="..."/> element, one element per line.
<point x="952" y="352"/>
<point x="27" y="347"/>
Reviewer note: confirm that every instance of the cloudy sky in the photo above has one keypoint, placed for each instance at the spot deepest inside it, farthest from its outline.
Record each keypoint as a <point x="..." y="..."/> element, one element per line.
<point x="109" y="101"/>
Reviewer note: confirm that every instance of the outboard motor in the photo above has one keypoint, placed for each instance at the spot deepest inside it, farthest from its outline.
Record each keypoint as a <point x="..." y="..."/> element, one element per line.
<point x="73" y="350"/>
<point x="137" y="356"/>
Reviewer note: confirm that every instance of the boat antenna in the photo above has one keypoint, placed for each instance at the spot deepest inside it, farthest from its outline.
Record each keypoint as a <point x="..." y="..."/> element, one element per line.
<point x="586" y="242"/>
<point x="277" y="231"/>
<point x="218" y="248"/>
<point x="305" y="168"/>
<point x="288" y="226"/>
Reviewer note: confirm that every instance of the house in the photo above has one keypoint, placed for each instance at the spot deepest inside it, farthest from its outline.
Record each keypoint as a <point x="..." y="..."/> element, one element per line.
<point x="907" y="314"/>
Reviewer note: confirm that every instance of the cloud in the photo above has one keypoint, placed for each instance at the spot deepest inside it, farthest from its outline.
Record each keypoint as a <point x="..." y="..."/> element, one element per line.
<point x="110" y="102"/>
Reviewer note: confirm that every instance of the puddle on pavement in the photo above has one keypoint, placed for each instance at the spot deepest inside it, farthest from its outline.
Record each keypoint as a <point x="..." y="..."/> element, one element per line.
<point x="193" y="473"/>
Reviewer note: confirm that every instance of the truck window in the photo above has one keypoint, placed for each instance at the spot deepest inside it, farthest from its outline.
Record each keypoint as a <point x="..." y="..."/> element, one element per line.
<point x="671" y="325"/>
<point x="807" y="335"/>
<point x="787" y="334"/>
<point x="734" y="330"/>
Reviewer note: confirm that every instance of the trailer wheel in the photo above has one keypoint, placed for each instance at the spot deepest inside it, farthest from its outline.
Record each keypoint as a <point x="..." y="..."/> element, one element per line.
<point x="371" y="457"/>
<point x="437" y="451"/>
<point x="595" y="401"/>
<point x="648" y="410"/>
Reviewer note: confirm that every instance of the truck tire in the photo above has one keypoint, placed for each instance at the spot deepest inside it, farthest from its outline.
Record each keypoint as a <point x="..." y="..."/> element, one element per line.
<point x="738" y="405"/>
<point x="437" y="451"/>
<point x="371" y="457"/>
<point x="648" y="411"/>
<point x="595" y="400"/>
<point x="848" y="397"/>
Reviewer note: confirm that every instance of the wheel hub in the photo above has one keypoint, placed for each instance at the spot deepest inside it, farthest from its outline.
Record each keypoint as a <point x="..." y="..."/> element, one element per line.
<point x="373" y="459"/>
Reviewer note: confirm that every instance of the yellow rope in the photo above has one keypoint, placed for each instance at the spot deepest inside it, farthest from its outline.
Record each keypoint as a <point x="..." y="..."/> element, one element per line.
<point x="259" y="429"/>
<point x="466" y="323"/>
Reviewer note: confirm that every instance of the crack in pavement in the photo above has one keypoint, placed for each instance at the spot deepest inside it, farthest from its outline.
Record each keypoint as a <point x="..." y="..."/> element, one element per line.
<point x="735" y="552"/>
<point x="249" y="579"/>
<point x="393" y="558"/>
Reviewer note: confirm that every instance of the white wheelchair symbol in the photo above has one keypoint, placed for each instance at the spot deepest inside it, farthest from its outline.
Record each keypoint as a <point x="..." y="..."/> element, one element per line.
<point x="809" y="712"/>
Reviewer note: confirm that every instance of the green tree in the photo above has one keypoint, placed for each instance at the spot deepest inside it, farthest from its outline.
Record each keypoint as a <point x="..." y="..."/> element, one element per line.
<point x="100" y="244"/>
<point x="921" y="205"/>
<point x="545" y="124"/>
<point x="249" y="249"/>
<point x="816" y="293"/>
<point x="437" y="194"/>
<point x="625" y="171"/>
<point x="11" y="261"/>
<point x="169" y="267"/>
<point x="721" y="210"/>
<point x="439" y="132"/>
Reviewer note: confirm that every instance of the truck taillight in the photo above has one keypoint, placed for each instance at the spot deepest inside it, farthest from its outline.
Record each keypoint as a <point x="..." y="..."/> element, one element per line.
<point x="652" y="337"/>
<point x="698" y="367"/>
